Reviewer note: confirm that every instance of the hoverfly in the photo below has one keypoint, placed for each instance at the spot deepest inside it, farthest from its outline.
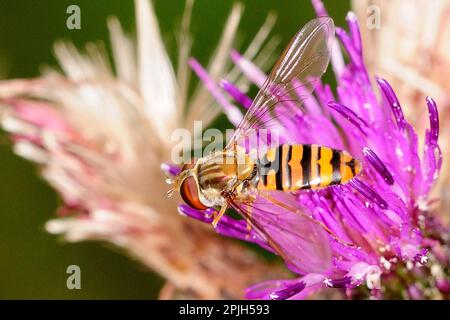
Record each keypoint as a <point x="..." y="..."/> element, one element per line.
<point x="266" y="198"/>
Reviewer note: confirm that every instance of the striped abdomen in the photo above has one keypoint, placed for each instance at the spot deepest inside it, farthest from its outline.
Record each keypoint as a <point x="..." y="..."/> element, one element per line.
<point x="297" y="166"/>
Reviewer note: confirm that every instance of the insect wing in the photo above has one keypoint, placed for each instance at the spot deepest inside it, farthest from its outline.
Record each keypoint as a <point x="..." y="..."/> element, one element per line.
<point x="301" y="241"/>
<point x="297" y="238"/>
<point x="292" y="79"/>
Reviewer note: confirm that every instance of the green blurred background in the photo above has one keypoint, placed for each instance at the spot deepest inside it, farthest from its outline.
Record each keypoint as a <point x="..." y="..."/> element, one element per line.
<point x="33" y="263"/>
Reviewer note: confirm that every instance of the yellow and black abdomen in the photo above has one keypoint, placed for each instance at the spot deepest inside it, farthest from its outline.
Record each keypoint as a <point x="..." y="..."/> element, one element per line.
<point x="303" y="166"/>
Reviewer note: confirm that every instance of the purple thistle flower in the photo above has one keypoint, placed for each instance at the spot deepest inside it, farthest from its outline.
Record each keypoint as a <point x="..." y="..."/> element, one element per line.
<point x="385" y="213"/>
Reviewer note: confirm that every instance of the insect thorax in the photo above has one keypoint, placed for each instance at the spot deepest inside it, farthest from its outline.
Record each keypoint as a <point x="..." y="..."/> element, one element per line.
<point x="223" y="172"/>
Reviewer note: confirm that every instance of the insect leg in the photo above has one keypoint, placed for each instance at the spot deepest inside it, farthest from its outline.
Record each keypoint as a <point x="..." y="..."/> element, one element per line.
<point x="219" y="215"/>
<point x="247" y="199"/>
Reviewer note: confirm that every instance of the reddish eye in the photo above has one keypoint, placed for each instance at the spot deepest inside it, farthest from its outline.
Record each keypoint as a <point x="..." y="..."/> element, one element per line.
<point x="189" y="193"/>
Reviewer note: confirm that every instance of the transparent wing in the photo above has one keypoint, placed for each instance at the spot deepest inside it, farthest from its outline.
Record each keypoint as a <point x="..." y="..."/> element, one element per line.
<point x="292" y="79"/>
<point x="301" y="241"/>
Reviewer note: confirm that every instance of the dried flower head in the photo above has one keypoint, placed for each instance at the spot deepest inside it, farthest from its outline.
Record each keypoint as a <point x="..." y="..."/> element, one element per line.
<point x="100" y="138"/>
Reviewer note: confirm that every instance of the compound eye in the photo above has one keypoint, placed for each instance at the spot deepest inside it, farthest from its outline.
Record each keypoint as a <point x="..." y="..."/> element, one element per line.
<point x="189" y="193"/>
